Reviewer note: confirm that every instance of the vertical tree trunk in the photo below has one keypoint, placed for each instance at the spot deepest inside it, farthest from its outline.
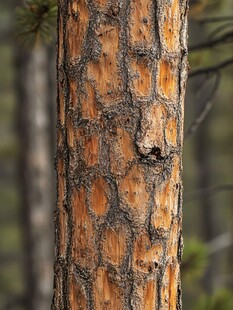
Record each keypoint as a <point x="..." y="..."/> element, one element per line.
<point x="209" y="220"/>
<point x="36" y="178"/>
<point x="122" y="70"/>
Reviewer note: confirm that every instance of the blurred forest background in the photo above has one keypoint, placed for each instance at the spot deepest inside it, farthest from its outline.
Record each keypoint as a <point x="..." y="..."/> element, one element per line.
<point x="27" y="150"/>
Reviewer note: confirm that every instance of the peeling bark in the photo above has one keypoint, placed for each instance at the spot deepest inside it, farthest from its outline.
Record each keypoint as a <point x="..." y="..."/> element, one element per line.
<point x="122" y="69"/>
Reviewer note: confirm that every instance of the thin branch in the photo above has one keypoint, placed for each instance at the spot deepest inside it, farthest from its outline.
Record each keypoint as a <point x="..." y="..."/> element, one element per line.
<point x="204" y="85"/>
<point x="209" y="103"/>
<point x="220" y="243"/>
<point x="207" y="192"/>
<point x="226" y="38"/>
<point x="211" y="69"/>
<point x="215" y="19"/>
<point x="217" y="31"/>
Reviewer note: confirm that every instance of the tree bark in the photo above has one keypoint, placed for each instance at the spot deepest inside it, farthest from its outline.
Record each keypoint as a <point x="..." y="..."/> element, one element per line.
<point x="122" y="68"/>
<point x="35" y="173"/>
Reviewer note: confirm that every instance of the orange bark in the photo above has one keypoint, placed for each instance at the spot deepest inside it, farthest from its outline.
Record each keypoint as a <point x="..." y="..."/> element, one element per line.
<point x="121" y="111"/>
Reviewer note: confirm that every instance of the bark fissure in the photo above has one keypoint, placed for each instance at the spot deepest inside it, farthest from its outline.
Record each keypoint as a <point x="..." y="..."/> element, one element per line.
<point x="121" y="77"/>
<point x="66" y="158"/>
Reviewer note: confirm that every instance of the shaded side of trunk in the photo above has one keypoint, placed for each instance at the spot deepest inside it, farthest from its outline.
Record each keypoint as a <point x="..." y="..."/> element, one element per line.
<point x="35" y="174"/>
<point x="122" y="70"/>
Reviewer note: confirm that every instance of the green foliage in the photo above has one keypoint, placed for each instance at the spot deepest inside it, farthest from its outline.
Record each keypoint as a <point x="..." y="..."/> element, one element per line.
<point x="222" y="299"/>
<point x="194" y="260"/>
<point x="36" y="21"/>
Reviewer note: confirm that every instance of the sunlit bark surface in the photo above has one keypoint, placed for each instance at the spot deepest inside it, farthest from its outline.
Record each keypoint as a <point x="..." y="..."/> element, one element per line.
<point x="122" y="68"/>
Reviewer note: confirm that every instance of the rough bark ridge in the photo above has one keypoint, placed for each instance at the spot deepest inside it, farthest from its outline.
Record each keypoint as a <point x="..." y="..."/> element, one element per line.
<point x="122" y="68"/>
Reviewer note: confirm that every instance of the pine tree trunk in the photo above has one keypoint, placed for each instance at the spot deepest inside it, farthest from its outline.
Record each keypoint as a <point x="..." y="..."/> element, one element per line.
<point x="122" y="68"/>
<point x="36" y="179"/>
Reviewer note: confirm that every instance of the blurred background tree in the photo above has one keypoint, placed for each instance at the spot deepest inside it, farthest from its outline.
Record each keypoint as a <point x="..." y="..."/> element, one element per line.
<point x="208" y="154"/>
<point x="208" y="176"/>
<point x="35" y="90"/>
<point x="33" y="65"/>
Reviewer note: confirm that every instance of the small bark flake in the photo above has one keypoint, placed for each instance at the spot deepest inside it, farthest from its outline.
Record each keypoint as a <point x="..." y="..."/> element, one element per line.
<point x="107" y="294"/>
<point x="166" y="200"/>
<point x="104" y="71"/>
<point x="121" y="152"/>
<point x="151" y="133"/>
<point x="77" y="295"/>
<point x="134" y="193"/>
<point x="88" y="103"/>
<point x="146" y="256"/>
<point x="141" y="23"/>
<point x="141" y="78"/>
<point x="70" y="132"/>
<point x="171" y="25"/>
<point x="84" y="234"/>
<point x="167" y="79"/>
<point x="91" y="150"/>
<point x="169" y="287"/>
<point x="171" y="131"/>
<point x="99" y="196"/>
<point x="77" y="27"/>
<point x="114" y="244"/>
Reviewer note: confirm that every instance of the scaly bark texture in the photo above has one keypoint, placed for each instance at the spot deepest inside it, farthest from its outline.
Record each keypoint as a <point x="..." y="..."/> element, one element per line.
<point x="122" y="68"/>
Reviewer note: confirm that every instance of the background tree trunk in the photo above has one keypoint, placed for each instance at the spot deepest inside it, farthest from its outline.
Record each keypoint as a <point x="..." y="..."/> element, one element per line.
<point x="122" y="69"/>
<point x="34" y="98"/>
<point x="209" y="225"/>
